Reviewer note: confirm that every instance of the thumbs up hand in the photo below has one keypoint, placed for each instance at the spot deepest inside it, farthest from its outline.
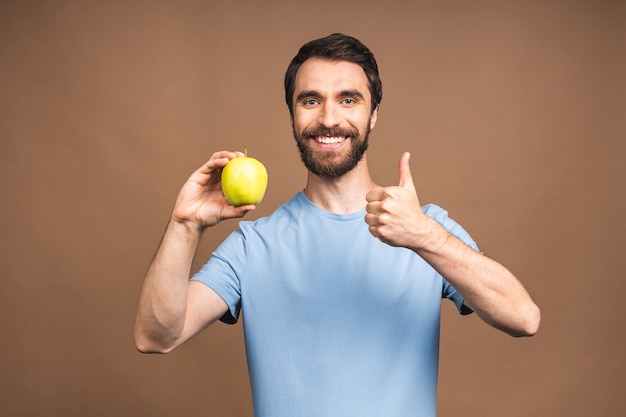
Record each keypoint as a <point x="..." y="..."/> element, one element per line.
<point x="394" y="214"/>
<point x="406" y="179"/>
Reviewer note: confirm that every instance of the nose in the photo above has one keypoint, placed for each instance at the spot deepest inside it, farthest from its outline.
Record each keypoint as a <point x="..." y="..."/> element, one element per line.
<point x="330" y="115"/>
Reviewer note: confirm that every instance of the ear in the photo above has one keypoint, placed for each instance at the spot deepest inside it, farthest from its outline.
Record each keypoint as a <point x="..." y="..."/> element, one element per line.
<point x="374" y="117"/>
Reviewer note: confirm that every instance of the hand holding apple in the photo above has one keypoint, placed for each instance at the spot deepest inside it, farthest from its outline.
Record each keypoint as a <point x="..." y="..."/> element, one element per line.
<point x="244" y="180"/>
<point x="201" y="202"/>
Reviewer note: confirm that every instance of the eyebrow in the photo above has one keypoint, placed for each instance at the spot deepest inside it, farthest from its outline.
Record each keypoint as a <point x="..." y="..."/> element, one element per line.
<point x="315" y="94"/>
<point x="308" y="94"/>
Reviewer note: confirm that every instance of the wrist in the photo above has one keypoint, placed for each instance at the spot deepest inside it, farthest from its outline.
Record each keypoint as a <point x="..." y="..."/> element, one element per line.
<point x="185" y="226"/>
<point x="435" y="237"/>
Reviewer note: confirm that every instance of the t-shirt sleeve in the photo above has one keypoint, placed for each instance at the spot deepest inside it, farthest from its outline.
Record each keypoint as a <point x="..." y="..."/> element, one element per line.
<point x="441" y="216"/>
<point x="222" y="273"/>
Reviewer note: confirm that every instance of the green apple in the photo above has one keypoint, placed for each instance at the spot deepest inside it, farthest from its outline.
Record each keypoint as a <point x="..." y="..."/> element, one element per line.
<point x="244" y="180"/>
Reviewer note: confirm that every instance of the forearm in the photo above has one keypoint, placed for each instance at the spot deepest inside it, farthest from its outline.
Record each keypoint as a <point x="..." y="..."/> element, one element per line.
<point x="163" y="299"/>
<point x="488" y="288"/>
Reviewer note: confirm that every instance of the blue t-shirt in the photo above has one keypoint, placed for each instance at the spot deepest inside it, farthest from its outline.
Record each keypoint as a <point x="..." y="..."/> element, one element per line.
<point x="336" y="323"/>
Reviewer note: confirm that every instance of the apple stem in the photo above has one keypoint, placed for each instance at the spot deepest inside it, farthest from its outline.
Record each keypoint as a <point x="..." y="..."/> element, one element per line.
<point x="245" y="151"/>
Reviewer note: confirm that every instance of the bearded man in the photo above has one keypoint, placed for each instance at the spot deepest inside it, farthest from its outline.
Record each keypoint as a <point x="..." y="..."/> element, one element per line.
<point x="341" y="286"/>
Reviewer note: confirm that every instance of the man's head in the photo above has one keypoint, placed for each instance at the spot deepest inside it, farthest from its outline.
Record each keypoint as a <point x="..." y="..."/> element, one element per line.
<point x="333" y="92"/>
<point x="336" y="47"/>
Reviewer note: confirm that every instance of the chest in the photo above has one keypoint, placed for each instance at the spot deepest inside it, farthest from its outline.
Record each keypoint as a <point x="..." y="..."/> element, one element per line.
<point x="337" y="268"/>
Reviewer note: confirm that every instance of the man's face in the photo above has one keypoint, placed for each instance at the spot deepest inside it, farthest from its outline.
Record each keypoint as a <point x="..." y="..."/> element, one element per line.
<point x="332" y="116"/>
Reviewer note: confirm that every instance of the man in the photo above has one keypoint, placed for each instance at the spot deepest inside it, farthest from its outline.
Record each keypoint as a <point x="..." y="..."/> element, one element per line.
<point x="341" y="286"/>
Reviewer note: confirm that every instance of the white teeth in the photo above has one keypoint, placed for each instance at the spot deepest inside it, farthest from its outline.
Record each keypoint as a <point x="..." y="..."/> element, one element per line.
<point x="330" y="140"/>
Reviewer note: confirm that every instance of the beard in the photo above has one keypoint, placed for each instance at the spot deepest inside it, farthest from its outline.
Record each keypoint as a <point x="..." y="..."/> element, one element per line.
<point x="328" y="164"/>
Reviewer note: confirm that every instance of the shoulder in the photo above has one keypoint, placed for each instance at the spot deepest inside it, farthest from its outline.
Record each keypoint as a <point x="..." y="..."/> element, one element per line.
<point x="282" y="217"/>
<point x="434" y="211"/>
<point x="441" y="216"/>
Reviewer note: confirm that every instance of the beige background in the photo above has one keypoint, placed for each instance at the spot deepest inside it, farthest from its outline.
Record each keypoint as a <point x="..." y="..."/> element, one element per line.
<point x="514" y="114"/>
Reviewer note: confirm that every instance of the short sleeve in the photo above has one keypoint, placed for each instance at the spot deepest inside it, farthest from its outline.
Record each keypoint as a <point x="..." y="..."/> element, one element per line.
<point x="441" y="216"/>
<point x="222" y="273"/>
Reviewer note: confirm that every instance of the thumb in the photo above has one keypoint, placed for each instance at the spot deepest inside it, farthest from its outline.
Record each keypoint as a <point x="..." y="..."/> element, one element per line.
<point x="406" y="179"/>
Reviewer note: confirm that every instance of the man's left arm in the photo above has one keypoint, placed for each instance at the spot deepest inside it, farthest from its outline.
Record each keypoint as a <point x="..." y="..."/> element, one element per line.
<point x="394" y="216"/>
<point x="488" y="288"/>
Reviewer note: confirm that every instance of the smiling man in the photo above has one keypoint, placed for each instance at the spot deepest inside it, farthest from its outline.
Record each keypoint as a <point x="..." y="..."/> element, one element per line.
<point x="341" y="286"/>
<point x="332" y="110"/>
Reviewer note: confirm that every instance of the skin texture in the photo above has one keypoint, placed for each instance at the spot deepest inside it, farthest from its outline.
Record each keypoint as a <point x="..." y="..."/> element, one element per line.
<point x="343" y="119"/>
<point x="332" y="118"/>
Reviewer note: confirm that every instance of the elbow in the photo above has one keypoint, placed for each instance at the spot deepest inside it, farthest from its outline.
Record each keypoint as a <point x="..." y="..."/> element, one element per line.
<point x="530" y="323"/>
<point x="533" y="321"/>
<point x="147" y="345"/>
<point x="147" y="348"/>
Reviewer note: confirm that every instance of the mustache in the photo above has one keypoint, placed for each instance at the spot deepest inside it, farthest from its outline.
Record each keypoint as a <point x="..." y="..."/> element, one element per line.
<point x="335" y="131"/>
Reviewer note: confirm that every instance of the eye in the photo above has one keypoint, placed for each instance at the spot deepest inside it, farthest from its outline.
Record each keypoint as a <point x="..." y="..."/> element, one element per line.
<point x="349" y="101"/>
<point x="310" y="102"/>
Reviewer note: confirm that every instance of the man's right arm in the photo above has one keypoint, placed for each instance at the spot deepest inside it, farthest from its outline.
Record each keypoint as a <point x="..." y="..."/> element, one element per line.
<point x="171" y="308"/>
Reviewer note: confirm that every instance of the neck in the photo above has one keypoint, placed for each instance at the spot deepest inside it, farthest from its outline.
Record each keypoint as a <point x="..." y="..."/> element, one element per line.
<point x="342" y="195"/>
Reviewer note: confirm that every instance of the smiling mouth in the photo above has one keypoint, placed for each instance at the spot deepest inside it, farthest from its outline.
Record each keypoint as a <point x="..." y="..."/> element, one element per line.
<point x="330" y="140"/>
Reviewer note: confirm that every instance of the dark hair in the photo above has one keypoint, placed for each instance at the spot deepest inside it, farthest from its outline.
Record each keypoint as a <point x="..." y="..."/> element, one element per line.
<point x="336" y="47"/>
